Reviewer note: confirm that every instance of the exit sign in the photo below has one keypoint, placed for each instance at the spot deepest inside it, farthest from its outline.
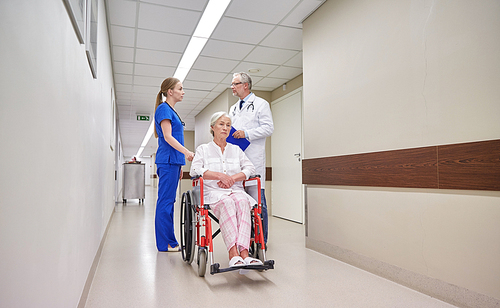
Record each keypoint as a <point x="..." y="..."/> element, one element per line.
<point x="142" y="118"/>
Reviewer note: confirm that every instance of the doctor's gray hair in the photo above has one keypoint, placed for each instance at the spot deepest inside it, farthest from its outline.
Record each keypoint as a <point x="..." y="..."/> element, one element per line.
<point x="216" y="116"/>
<point x="245" y="78"/>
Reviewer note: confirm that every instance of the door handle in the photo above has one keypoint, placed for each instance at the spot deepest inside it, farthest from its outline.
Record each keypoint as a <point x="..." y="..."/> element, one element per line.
<point x="297" y="155"/>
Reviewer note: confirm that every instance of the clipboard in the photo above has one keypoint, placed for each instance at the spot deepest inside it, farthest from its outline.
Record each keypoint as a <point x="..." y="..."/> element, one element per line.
<point x="243" y="143"/>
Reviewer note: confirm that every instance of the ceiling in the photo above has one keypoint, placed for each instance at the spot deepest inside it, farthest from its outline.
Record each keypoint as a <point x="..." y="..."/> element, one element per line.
<point x="148" y="38"/>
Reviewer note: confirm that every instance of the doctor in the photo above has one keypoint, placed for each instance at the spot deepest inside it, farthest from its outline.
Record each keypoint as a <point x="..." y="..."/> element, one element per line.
<point x="251" y="117"/>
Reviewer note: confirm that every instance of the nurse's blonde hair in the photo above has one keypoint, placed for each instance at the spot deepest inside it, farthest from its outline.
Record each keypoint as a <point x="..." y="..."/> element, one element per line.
<point x="216" y="116"/>
<point x="167" y="84"/>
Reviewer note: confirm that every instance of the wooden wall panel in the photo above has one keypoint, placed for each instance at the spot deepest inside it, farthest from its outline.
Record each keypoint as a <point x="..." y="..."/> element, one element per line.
<point x="473" y="166"/>
<point x="269" y="174"/>
<point x="400" y="168"/>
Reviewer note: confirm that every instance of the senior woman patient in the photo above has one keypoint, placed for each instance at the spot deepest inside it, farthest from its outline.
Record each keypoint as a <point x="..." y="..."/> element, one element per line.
<point x="224" y="167"/>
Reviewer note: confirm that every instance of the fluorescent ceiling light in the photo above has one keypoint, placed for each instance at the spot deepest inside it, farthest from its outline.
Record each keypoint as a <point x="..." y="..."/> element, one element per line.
<point x="192" y="52"/>
<point x="211" y="16"/>
<point x="209" y="20"/>
<point x="139" y="152"/>
<point x="149" y="133"/>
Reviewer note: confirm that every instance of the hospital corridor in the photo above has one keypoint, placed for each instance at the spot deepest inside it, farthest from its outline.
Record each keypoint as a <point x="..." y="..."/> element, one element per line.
<point x="373" y="126"/>
<point x="132" y="273"/>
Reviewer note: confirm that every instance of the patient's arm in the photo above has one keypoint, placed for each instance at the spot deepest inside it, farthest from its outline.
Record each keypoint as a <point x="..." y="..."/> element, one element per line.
<point x="239" y="177"/>
<point x="225" y="181"/>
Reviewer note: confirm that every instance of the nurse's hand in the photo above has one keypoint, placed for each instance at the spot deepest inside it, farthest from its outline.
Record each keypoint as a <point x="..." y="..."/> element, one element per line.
<point x="239" y="134"/>
<point x="189" y="155"/>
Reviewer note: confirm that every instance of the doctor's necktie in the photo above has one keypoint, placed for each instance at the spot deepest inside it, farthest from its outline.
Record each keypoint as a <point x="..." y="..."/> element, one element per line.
<point x="241" y="104"/>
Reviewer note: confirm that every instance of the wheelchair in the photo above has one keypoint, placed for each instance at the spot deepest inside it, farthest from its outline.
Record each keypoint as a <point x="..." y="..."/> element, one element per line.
<point x="196" y="229"/>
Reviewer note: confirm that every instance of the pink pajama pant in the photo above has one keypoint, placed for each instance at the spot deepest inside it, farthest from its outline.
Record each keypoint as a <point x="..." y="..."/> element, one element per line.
<point x="233" y="212"/>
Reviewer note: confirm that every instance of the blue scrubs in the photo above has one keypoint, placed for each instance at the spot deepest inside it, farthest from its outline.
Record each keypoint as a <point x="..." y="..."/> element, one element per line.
<point x="168" y="163"/>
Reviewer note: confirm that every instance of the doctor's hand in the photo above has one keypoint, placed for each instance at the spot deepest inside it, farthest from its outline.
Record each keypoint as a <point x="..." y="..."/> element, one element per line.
<point x="239" y="134"/>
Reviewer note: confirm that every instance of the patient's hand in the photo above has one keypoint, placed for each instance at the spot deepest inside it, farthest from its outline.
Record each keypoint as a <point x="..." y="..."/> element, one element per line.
<point x="221" y="185"/>
<point x="225" y="181"/>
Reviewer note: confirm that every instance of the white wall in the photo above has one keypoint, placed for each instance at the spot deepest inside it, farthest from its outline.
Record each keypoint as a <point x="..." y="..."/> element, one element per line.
<point x="384" y="75"/>
<point x="53" y="212"/>
<point x="408" y="74"/>
<point x="119" y="160"/>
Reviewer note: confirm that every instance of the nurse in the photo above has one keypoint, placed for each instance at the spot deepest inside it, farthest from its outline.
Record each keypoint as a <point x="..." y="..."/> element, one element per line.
<point x="251" y="117"/>
<point x="170" y="157"/>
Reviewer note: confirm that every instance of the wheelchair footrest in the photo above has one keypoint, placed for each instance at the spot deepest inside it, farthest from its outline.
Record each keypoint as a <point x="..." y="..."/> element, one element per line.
<point x="215" y="268"/>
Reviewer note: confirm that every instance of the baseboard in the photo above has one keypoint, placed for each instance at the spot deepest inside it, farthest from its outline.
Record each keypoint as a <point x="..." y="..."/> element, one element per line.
<point x="436" y="288"/>
<point x="93" y="268"/>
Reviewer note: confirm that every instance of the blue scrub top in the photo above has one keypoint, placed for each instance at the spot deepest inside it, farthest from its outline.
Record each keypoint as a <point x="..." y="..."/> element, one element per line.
<point x="166" y="154"/>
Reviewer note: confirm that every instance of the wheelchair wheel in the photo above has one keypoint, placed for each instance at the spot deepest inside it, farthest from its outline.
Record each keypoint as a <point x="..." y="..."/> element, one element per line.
<point x="202" y="261"/>
<point x="252" y="251"/>
<point x="188" y="230"/>
<point x="255" y="249"/>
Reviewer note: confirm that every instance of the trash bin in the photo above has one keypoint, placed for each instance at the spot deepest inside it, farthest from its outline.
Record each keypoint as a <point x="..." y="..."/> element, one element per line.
<point x="134" y="181"/>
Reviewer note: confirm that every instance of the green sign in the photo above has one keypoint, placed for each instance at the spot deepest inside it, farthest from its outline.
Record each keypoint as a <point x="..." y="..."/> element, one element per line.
<point x="142" y="118"/>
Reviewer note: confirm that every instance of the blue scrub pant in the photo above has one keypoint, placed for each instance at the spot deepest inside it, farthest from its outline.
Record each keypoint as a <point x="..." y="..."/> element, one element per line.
<point x="264" y="213"/>
<point x="164" y="219"/>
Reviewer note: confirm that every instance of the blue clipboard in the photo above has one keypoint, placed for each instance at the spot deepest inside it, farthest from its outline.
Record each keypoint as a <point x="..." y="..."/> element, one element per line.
<point x="243" y="143"/>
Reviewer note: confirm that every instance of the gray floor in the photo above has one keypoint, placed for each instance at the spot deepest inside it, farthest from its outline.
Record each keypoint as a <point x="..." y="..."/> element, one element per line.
<point x="132" y="273"/>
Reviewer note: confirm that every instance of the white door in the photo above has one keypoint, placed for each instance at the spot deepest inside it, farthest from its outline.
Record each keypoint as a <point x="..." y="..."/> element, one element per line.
<point x="286" y="147"/>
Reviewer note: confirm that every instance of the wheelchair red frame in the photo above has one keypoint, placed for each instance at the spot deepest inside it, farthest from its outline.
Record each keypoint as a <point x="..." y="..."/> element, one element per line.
<point x="196" y="229"/>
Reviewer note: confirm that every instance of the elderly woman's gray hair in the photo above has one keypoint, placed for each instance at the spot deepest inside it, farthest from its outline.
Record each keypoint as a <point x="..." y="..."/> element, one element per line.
<point x="216" y="116"/>
<point x="244" y="78"/>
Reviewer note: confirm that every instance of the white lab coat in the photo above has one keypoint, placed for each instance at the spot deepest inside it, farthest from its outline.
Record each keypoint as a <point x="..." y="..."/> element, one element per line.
<point x="257" y="122"/>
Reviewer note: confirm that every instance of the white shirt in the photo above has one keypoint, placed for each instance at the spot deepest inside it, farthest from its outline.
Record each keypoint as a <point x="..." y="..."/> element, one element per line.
<point x="210" y="157"/>
<point x="256" y="120"/>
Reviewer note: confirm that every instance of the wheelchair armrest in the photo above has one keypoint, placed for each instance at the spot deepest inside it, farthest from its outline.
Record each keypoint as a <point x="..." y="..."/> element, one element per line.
<point x="253" y="186"/>
<point x="255" y="177"/>
<point x="197" y="191"/>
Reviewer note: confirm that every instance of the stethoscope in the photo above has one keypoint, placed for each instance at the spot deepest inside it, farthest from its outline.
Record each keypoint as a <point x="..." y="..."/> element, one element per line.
<point x="248" y="108"/>
<point x="182" y="122"/>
